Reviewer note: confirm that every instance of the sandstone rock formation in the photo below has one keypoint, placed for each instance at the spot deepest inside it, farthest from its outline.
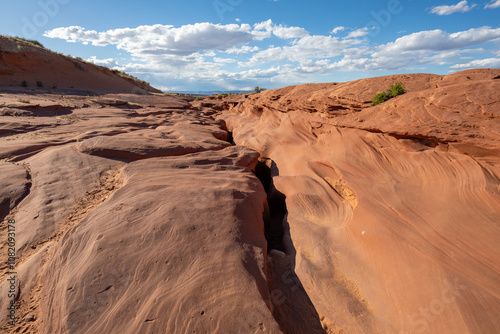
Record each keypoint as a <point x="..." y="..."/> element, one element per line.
<point x="137" y="216"/>
<point x="297" y="210"/>
<point x="393" y="210"/>
<point x="22" y="61"/>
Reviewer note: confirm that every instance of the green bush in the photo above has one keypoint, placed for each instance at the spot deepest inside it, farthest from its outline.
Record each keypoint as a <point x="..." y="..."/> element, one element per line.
<point x="379" y="98"/>
<point x="24" y="83"/>
<point x="393" y="91"/>
<point x="396" y="89"/>
<point x="39" y="84"/>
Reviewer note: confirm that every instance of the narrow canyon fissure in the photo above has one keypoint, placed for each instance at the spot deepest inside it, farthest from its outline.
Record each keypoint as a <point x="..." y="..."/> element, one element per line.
<point x="273" y="222"/>
<point x="290" y="305"/>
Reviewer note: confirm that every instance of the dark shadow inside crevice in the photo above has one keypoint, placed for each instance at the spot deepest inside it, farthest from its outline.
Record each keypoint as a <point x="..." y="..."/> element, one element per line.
<point x="276" y="203"/>
<point x="290" y="305"/>
<point x="230" y="138"/>
<point x="292" y="308"/>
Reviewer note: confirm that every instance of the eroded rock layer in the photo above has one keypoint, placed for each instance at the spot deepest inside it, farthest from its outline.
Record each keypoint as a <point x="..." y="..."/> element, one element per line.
<point x="139" y="214"/>
<point x="133" y="214"/>
<point x="393" y="210"/>
<point x="27" y="65"/>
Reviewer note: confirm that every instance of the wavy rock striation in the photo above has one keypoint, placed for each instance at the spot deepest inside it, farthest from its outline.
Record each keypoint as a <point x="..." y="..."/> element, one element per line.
<point x="133" y="215"/>
<point x="392" y="211"/>
<point x="138" y="214"/>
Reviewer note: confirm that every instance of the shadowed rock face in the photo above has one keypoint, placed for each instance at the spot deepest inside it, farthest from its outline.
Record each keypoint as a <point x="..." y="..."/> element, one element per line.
<point x="135" y="214"/>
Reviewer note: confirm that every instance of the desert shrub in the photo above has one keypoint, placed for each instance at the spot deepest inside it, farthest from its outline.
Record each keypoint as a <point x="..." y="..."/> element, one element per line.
<point x="258" y="89"/>
<point x="24" y="83"/>
<point x="39" y="84"/>
<point x="393" y="91"/>
<point x="396" y="89"/>
<point x="32" y="41"/>
<point x="379" y="98"/>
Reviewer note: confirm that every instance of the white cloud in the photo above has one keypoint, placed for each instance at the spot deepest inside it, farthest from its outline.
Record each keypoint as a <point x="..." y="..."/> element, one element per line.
<point x="224" y="60"/>
<point x="479" y="63"/>
<point x="289" y="32"/>
<point x="461" y="7"/>
<point x="108" y="62"/>
<point x="493" y="4"/>
<point x="358" y="33"/>
<point x="304" y="49"/>
<point x="162" y="39"/>
<point x="263" y="30"/>
<point x="438" y="40"/>
<point x="267" y="28"/>
<point x="243" y="49"/>
<point x="319" y="46"/>
<point x="205" y="54"/>
<point x="265" y="56"/>
<point x="339" y="29"/>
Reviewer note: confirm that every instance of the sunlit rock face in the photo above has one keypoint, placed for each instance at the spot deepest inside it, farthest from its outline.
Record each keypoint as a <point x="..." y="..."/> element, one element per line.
<point x="392" y="210"/>
<point x="297" y="210"/>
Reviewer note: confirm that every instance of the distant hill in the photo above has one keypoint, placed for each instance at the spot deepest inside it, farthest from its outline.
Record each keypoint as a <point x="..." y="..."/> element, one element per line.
<point x="25" y="63"/>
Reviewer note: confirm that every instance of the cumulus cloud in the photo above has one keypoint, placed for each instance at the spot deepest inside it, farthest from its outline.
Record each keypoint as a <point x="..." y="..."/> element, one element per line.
<point x="238" y="55"/>
<point x="289" y="32"/>
<point x="108" y="62"/>
<point x="434" y="47"/>
<point x="438" y="40"/>
<point x="243" y="49"/>
<point x="185" y="40"/>
<point x="265" y="56"/>
<point x="267" y="28"/>
<point x="162" y="39"/>
<point x="479" y="63"/>
<point x="493" y="4"/>
<point x="339" y="29"/>
<point x="304" y="49"/>
<point x="461" y="7"/>
<point x="224" y="60"/>
<point x="358" y="33"/>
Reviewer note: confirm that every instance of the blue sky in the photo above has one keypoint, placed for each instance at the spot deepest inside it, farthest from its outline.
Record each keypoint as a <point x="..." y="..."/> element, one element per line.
<point x="238" y="44"/>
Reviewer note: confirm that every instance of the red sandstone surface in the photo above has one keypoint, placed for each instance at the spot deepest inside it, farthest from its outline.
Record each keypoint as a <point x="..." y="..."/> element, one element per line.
<point x="21" y="61"/>
<point x="393" y="210"/>
<point x="296" y="210"/>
